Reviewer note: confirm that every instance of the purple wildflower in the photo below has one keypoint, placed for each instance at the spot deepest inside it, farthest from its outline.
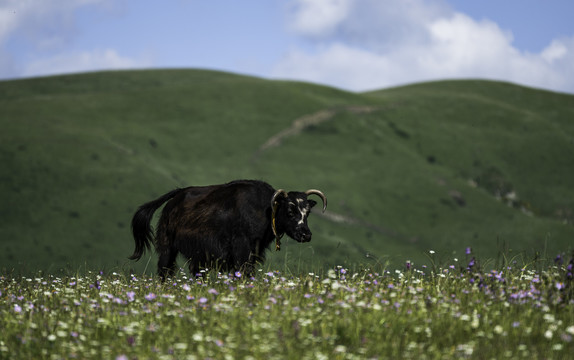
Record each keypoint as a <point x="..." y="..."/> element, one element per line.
<point x="202" y="300"/>
<point x="213" y="291"/>
<point x="468" y="251"/>
<point x="408" y="265"/>
<point x="131" y="340"/>
<point x="17" y="308"/>
<point x="96" y="285"/>
<point x="238" y="274"/>
<point x="150" y="296"/>
<point x="131" y="296"/>
<point x="560" y="286"/>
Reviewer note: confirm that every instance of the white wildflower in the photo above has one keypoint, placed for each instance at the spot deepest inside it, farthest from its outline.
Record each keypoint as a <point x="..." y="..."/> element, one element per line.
<point x="180" y="346"/>
<point x="340" y="349"/>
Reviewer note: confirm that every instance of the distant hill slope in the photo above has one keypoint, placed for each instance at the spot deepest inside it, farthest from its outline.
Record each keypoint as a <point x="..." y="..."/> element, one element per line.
<point x="439" y="166"/>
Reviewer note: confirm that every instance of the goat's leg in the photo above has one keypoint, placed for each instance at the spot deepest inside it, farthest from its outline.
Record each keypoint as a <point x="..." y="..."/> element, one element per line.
<point x="166" y="264"/>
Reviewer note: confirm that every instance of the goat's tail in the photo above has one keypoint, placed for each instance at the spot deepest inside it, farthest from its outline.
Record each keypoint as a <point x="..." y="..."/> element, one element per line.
<point x="141" y="228"/>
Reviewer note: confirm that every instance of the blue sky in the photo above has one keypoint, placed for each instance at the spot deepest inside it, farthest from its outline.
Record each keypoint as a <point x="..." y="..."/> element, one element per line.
<point x="355" y="45"/>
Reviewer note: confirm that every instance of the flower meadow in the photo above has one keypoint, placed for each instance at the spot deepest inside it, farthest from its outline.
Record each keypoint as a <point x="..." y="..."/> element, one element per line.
<point x="427" y="312"/>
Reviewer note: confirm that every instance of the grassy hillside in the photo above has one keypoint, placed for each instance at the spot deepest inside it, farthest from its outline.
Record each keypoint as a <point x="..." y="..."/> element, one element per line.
<point x="437" y="166"/>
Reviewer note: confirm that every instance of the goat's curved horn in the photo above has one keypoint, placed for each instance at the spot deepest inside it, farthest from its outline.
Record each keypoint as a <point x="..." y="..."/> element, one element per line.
<point x="320" y="194"/>
<point x="276" y="195"/>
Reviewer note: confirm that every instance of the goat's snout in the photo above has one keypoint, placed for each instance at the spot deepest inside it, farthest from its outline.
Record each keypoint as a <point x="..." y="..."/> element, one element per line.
<point x="305" y="235"/>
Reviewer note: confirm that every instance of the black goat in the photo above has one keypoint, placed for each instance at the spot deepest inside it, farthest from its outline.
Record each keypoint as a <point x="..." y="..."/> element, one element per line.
<point x="227" y="226"/>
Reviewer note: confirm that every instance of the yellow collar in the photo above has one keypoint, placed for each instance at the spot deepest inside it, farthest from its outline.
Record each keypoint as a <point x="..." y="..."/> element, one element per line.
<point x="274" y="227"/>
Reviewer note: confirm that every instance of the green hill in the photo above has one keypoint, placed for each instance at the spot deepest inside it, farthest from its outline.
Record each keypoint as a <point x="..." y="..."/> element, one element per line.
<point x="439" y="166"/>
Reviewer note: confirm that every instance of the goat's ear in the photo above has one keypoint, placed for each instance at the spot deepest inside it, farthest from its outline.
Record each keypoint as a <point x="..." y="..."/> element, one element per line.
<point x="311" y="203"/>
<point x="280" y="200"/>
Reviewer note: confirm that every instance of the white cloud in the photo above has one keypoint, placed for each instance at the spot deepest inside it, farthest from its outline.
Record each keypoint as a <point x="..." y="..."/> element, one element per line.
<point x="373" y="24"/>
<point x="318" y="17"/>
<point x="462" y="41"/>
<point x="556" y="51"/>
<point x="81" y="62"/>
<point x="8" y="22"/>
<point x="41" y="29"/>
<point x="41" y="22"/>
<point x="376" y="44"/>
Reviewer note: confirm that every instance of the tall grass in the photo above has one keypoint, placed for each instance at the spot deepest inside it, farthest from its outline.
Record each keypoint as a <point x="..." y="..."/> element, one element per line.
<point x="455" y="311"/>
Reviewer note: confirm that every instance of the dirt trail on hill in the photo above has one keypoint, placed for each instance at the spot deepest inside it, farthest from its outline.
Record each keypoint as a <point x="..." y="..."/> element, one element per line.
<point x="314" y="119"/>
<point x="308" y="120"/>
